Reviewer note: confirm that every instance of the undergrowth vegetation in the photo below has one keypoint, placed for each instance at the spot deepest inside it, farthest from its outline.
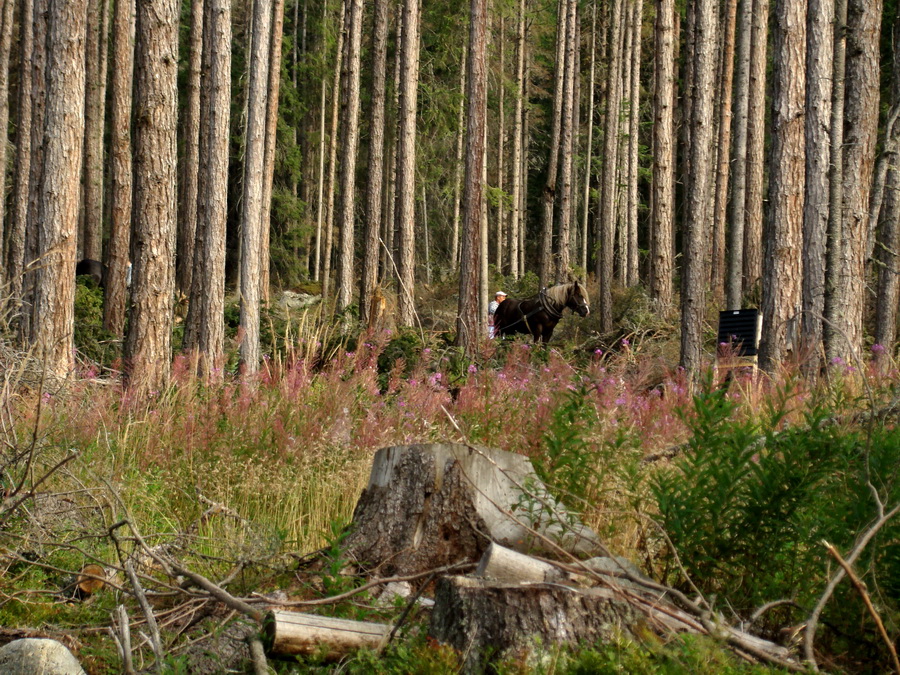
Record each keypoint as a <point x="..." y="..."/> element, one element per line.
<point x="722" y="489"/>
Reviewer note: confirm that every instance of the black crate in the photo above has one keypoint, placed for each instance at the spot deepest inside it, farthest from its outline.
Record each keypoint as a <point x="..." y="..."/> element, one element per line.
<point x="739" y="328"/>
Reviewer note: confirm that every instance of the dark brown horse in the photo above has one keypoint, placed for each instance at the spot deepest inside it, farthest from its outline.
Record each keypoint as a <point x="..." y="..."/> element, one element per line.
<point x="538" y="316"/>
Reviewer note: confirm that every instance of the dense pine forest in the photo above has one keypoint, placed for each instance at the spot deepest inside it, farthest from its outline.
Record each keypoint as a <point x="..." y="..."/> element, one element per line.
<point x="244" y="246"/>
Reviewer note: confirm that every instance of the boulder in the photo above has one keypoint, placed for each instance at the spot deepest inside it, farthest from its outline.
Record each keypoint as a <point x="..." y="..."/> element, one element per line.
<point x="30" y="656"/>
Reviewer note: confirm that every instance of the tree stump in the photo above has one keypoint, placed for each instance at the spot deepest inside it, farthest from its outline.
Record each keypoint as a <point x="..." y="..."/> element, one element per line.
<point x="428" y="506"/>
<point x="486" y="620"/>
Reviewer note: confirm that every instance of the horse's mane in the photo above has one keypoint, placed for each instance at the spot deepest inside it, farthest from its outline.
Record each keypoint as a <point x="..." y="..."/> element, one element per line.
<point x="560" y="293"/>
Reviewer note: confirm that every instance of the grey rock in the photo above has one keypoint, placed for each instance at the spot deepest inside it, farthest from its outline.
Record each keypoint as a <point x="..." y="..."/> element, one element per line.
<point x="33" y="656"/>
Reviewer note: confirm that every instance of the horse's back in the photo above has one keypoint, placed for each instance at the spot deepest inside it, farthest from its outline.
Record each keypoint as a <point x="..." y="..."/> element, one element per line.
<point x="508" y="318"/>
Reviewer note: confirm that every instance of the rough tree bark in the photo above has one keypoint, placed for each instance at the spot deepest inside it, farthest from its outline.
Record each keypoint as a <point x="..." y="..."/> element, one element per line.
<point x="120" y="179"/>
<point x="860" y="129"/>
<point x="349" y="145"/>
<point x="190" y="140"/>
<point x="207" y="307"/>
<point x="735" y="252"/>
<point x="148" y="345"/>
<point x="468" y="321"/>
<point x="756" y="134"/>
<point x="254" y="160"/>
<point x="606" y="211"/>
<point x="515" y="243"/>
<point x="717" y="271"/>
<point x="58" y="191"/>
<point x="545" y="264"/>
<point x="94" y="114"/>
<point x="328" y="224"/>
<point x="406" y="162"/>
<point x="819" y="57"/>
<point x="662" y="227"/>
<point x="375" y="183"/>
<point x="18" y="216"/>
<point x="6" y="32"/>
<point x="564" y="191"/>
<point x="693" y="296"/>
<point x="836" y="182"/>
<point x="274" y="89"/>
<point x="782" y="269"/>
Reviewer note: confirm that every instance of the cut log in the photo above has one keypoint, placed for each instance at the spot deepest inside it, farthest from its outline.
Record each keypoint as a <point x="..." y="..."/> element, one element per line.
<point x="427" y="506"/>
<point x="293" y="633"/>
<point x="503" y="565"/>
<point x="486" y="620"/>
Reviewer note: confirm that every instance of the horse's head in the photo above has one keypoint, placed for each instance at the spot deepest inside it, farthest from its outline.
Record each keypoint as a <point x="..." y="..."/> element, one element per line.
<point x="578" y="300"/>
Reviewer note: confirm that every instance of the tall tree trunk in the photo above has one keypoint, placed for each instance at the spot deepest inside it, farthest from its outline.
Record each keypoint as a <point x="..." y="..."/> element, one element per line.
<point x="633" y="257"/>
<point x="57" y="215"/>
<point x="274" y="90"/>
<point x="819" y="58"/>
<point x="389" y="260"/>
<point x="515" y="243"/>
<point x="207" y="307"/>
<point x="406" y="162"/>
<point x="31" y="267"/>
<point x="6" y="31"/>
<point x="349" y="146"/>
<point x="782" y="267"/>
<point x="254" y="160"/>
<point x="94" y="109"/>
<point x="190" y="140"/>
<point x="501" y="152"/>
<point x="148" y="345"/>
<point x="606" y="213"/>
<point x="340" y="64"/>
<point x="375" y="183"/>
<point x="526" y="145"/>
<point x="545" y="265"/>
<point x="735" y="250"/>
<point x="589" y="144"/>
<point x="836" y="184"/>
<point x="693" y="296"/>
<point x="564" y="190"/>
<point x="320" y="200"/>
<point x="717" y="273"/>
<point x="622" y="210"/>
<point x="120" y="180"/>
<point x="458" y="166"/>
<point x="21" y="178"/>
<point x="468" y="318"/>
<point x="662" y="224"/>
<point x="886" y="250"/>
<point x="860" y="129"/>
<point x="756" y="133"/>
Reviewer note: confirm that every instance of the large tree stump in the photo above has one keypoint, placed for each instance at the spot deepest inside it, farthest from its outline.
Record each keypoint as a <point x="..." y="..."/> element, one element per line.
<point x="427" y="506"/>
<point x="486" y="620"/>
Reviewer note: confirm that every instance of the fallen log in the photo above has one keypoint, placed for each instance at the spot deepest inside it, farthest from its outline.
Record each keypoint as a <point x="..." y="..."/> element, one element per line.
<point x="293" y="633"/>
<point x="428" y="506"/>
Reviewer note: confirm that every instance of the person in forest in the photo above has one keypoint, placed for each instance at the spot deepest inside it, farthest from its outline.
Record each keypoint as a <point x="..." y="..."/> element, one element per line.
<point x="499" y="297"/>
